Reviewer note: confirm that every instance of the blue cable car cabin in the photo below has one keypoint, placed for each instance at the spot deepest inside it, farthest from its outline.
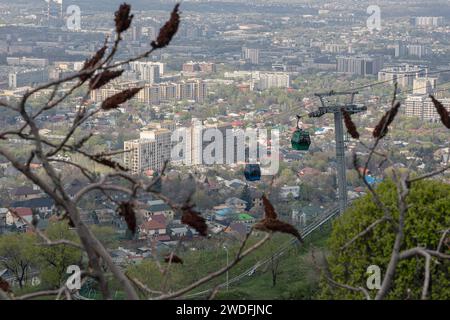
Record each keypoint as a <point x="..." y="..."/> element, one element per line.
<point x="252" y="172"/>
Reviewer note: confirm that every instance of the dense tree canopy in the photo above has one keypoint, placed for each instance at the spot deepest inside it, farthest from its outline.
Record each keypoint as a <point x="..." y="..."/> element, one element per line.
<point x="426" y="218"/>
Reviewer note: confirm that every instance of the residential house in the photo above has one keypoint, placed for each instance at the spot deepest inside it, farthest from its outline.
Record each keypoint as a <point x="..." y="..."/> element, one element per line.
<point x="234" y="184"/>
<point x="246" y="220"/>
<point x="158" y="207"/>
<point x="103" y="216"/>
<point x="43" y="206"/>
<point x="24" y="213"/>
<point x="26" y="193"/>
<point x="122" y="256"/>
<point x="224" y="214"/>
<point x="298" y="218"/>
<point x="152" y="229"/>
<point x="161" y="218"/>
<point x="179" y="231"/>
<point x="257" y="199"/>
<point x="236" y="203"/>
<point x="289" y="191"/>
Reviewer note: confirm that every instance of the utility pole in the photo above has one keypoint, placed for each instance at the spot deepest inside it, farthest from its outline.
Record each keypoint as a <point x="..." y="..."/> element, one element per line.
<point x="336" y="109"/>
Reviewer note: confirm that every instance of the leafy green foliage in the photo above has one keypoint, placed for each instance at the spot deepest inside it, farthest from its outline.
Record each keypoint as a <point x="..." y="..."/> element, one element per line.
<point x="429" y="214"/>
<point x="18" y="255"/>
<point x="54" y="260"/>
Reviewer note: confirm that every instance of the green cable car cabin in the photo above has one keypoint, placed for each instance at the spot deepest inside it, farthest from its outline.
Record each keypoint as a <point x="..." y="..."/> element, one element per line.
<point x="301" y="139"/>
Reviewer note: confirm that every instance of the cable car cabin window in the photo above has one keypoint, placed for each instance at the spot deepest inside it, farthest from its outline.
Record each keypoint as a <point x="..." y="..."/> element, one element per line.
<point x="252" y="172"/>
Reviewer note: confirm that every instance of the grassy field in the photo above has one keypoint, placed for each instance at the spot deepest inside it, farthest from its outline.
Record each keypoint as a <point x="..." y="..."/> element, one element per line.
<point x="296" y="277"/>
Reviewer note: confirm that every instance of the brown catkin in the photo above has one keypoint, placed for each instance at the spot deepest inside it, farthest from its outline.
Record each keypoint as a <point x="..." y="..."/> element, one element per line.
<point x="92" y="62"/>
<point x="126" y="210"/>
<point x="193" y="219"/>
<point x="172" y="258"/>
<point x="442" y="111"/>
<point x="103" y="78"/>
<point x="123" y="18"/>
<point x="269" y="210"/>
<point x="119" y="98"/>
<point x="381" y="128"/>
<point x="350" y="125"/>
<point x="170" y="28"/>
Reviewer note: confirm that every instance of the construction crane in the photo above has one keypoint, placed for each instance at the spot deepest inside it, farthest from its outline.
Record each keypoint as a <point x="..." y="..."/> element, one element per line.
<point x="336" y="109"/>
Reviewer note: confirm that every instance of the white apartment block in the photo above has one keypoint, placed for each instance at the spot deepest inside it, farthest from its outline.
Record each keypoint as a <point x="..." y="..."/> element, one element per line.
<point x="267" y="80"/>
<point x="17" y="79"/>
<point x="424" y="86"/>
<point x="194" y="90"/>
<point x="251" y="55"/>
<point x="422" y="107"/>
<point x="150" y="151"/>
<point x="155" y="146"/>
<point x="194" y="142"/>
<point x="147" y="71"/>
<point x="404" y="74"/>
<point x="428" y="21"/>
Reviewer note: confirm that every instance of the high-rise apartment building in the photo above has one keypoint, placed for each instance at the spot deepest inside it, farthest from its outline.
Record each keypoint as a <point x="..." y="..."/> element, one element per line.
<point x="29" y="77"/>
<point x="424" y="85"/>
<point x="428" y="21"/>
<point x="24" y="61"/>
<point x="413" y="50"/>
<point x="251" y="55"/>
<point x="151" y="150"/>
<point x="360" y="65"/>
<point x="147" y="71"/>
<point x="206" y="67"/>
<point x="267" y="80"/>
<point x="194" y="89"/>
<point x="422" y="107"/>
<point x="403" y="74"/>
<point x="198" y="138"/>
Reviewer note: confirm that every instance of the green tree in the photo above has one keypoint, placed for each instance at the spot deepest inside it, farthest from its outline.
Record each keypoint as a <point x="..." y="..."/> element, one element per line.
<point x="18" y="255"/>
<point x="106" y="235"/>
<point x="429" y="202"/>
<point x="54" y="260"/>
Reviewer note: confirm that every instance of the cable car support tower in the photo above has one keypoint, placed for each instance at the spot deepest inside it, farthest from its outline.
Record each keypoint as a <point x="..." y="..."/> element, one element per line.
<point x="336" y="109"/>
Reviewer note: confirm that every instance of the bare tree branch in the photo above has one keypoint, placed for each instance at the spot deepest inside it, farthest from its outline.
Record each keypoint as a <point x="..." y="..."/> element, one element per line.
<point x="240" y="255"/>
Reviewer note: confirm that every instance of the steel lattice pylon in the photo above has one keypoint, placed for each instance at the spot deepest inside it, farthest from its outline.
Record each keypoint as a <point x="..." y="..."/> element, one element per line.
<point x="336" y="109"/>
